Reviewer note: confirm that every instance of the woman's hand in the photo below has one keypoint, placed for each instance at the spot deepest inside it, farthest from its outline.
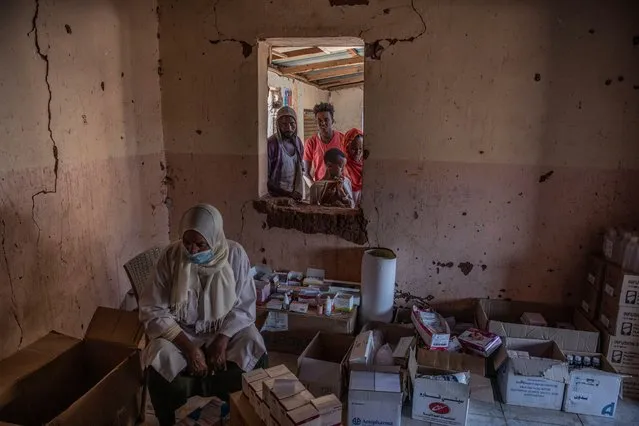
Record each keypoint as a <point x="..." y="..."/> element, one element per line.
<point x="216" y="352"/>
<point x="196" y="362"/>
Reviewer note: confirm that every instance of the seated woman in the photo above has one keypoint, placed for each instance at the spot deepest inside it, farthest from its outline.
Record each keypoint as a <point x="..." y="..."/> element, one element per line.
<point x="199" y="311"/>
<point x="354" y="145"/>
<point x="334" y="190"/>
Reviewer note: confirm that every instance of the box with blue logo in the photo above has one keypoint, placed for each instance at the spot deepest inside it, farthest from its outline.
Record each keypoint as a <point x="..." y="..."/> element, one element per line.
<point x="593" y="391"/>
<point x="374" y="396"/>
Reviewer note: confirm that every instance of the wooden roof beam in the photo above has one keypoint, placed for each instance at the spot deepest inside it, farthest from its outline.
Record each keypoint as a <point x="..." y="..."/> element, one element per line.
<point x="346" y="86"/>
<point x="334" y="72"/>
<point x="340" y="82"/>
<point x="320" y="65"/>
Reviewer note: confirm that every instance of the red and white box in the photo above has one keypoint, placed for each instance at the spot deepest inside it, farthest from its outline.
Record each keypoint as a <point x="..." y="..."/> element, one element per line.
<point x="480" y="342"/>
<point x="432" y="328"/>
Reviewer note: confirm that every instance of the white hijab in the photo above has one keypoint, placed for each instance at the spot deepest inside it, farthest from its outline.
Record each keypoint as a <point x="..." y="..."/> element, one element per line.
<point x="213" y="283"/>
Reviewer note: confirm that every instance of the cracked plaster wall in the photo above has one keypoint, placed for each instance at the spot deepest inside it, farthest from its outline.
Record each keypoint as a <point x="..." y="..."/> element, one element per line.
<point x="80" y="170"/>
<point x="462" y="119"/>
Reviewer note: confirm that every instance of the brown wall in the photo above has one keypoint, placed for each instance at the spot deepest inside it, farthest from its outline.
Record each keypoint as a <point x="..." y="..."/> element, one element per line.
<point x="459" y="128"/>
<point x="62" y="252"/>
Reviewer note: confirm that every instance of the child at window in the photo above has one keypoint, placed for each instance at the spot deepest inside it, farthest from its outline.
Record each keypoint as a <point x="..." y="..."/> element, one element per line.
<point x="334" y="189"/>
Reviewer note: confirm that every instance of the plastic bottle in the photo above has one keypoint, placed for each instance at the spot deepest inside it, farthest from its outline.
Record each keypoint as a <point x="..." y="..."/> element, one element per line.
<point x="328" y="307"/>
<point x="287" y="301"/>
<point x="609" y="242"/>
<point x="618" y="257"/>
<point x="630" y="254"/>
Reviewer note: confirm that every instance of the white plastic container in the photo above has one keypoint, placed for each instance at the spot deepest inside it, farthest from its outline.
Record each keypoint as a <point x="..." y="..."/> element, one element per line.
<point x="630" y="254"/>
<point x="619" y="254"/>
<point x="378" y="284"/>
<point x="610" y="239"/>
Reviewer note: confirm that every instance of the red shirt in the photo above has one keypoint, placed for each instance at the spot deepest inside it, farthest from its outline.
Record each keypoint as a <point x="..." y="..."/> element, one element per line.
<point x="314" y="150"/>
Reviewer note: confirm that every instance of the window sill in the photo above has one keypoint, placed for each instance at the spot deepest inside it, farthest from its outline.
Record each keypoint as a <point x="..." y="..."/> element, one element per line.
<point x="349" y="224"/>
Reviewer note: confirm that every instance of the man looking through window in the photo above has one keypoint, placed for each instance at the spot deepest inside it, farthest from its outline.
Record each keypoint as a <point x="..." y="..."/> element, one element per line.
<point x="317" y="145"/>
<point x="285" y="157"/>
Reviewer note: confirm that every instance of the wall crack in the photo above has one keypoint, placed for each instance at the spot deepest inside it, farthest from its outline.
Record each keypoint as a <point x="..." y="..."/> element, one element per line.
<point x="14" y="304"/>
<point x="247" y="48"/>
<point x="54" y="146"/>
<point x="375" y="49"/>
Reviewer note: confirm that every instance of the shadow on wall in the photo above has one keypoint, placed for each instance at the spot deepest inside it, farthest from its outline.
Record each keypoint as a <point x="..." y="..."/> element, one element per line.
<point x="596" y="193"/>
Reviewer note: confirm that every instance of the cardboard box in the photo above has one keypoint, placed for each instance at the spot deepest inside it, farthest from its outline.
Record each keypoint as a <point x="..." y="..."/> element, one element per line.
<point x="267" y="387"/>
<point x="534" y="318"/>
<point x="362" y="349"/>
<point x="305" y="415"/>
<point x="595" y="271"/>
<point x="452" y="361"/>
<point x="538" y="381"/>
<point x="593" y="391"/>
<point x="289" y="404"/>
<point x="322" y="366"/>
<point x="502" y="318"/>
<point x="620" y="320"/>
<point x="242" y="414"/>
<point x="252" y="376"/>
<point x="620" y="287"/>
<point x="72" y="381"/>
<point x="329" y="409"/>
<point x="622" y="352"/>
<point x="338" y="322"/>
<point x="437" y="401"/>
<point x="393" y="334"/>
<point x="630" y="387"/>
<point x="374" y="396"/>
<point x="435" y="336"/>
<point x="590" y="301"/>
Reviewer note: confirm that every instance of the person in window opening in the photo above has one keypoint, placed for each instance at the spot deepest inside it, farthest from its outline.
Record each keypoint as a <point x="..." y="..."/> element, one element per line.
<point x="334" y="189"/>
<point x="199" y="312"/>
<point x="354" y="143"/>
<point x="317" y="145"/>
<point x="285" y="157"/>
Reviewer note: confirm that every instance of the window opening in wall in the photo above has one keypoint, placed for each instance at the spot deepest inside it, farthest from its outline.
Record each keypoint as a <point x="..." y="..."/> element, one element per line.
<point x="315" y="123"/>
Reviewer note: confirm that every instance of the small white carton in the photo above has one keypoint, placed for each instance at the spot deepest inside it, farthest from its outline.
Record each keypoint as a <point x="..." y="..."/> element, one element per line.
<point x="252" y="376"/>
<point x="362" y="348"/>
<point x="343" y="302"/>
<point x="534" y="318"/>
<point x="329" y="408"/>
<point x="538" y="381"/>
<point x="375" y="397"/>
<point x="593" y="391"/>
<point x="305" y="415"/>
<point x="291" y="403"/>
<point x="437" y="401"/>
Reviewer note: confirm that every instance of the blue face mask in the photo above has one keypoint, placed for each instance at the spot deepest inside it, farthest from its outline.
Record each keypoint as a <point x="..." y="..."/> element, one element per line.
<point x="201" y="258"/>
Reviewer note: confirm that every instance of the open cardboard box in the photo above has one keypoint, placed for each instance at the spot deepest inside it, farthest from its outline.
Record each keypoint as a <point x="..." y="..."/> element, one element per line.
<point x="539" y="382"/>
<point x="464" y="311"/>
<point x="436" y="401"/>
<point x="392" y="333"/>
<point x="322" y="366"/>
<point x="72" y="381"/>
<point x="502" y="318"/>
<point x="593" y="391"/>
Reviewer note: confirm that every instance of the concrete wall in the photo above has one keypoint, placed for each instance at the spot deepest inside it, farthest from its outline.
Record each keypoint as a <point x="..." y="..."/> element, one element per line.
<point x="349" y="108"/>
<point x="305" y="96"/>
<point x="80" y="170"/>
<point x="468" y="105"/>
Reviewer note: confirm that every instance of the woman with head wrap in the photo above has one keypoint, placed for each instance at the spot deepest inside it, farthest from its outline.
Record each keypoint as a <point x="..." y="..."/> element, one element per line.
<point x="354" y="144"/>
<point x="285" y="157"/>
<point x="199" y="312"/>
